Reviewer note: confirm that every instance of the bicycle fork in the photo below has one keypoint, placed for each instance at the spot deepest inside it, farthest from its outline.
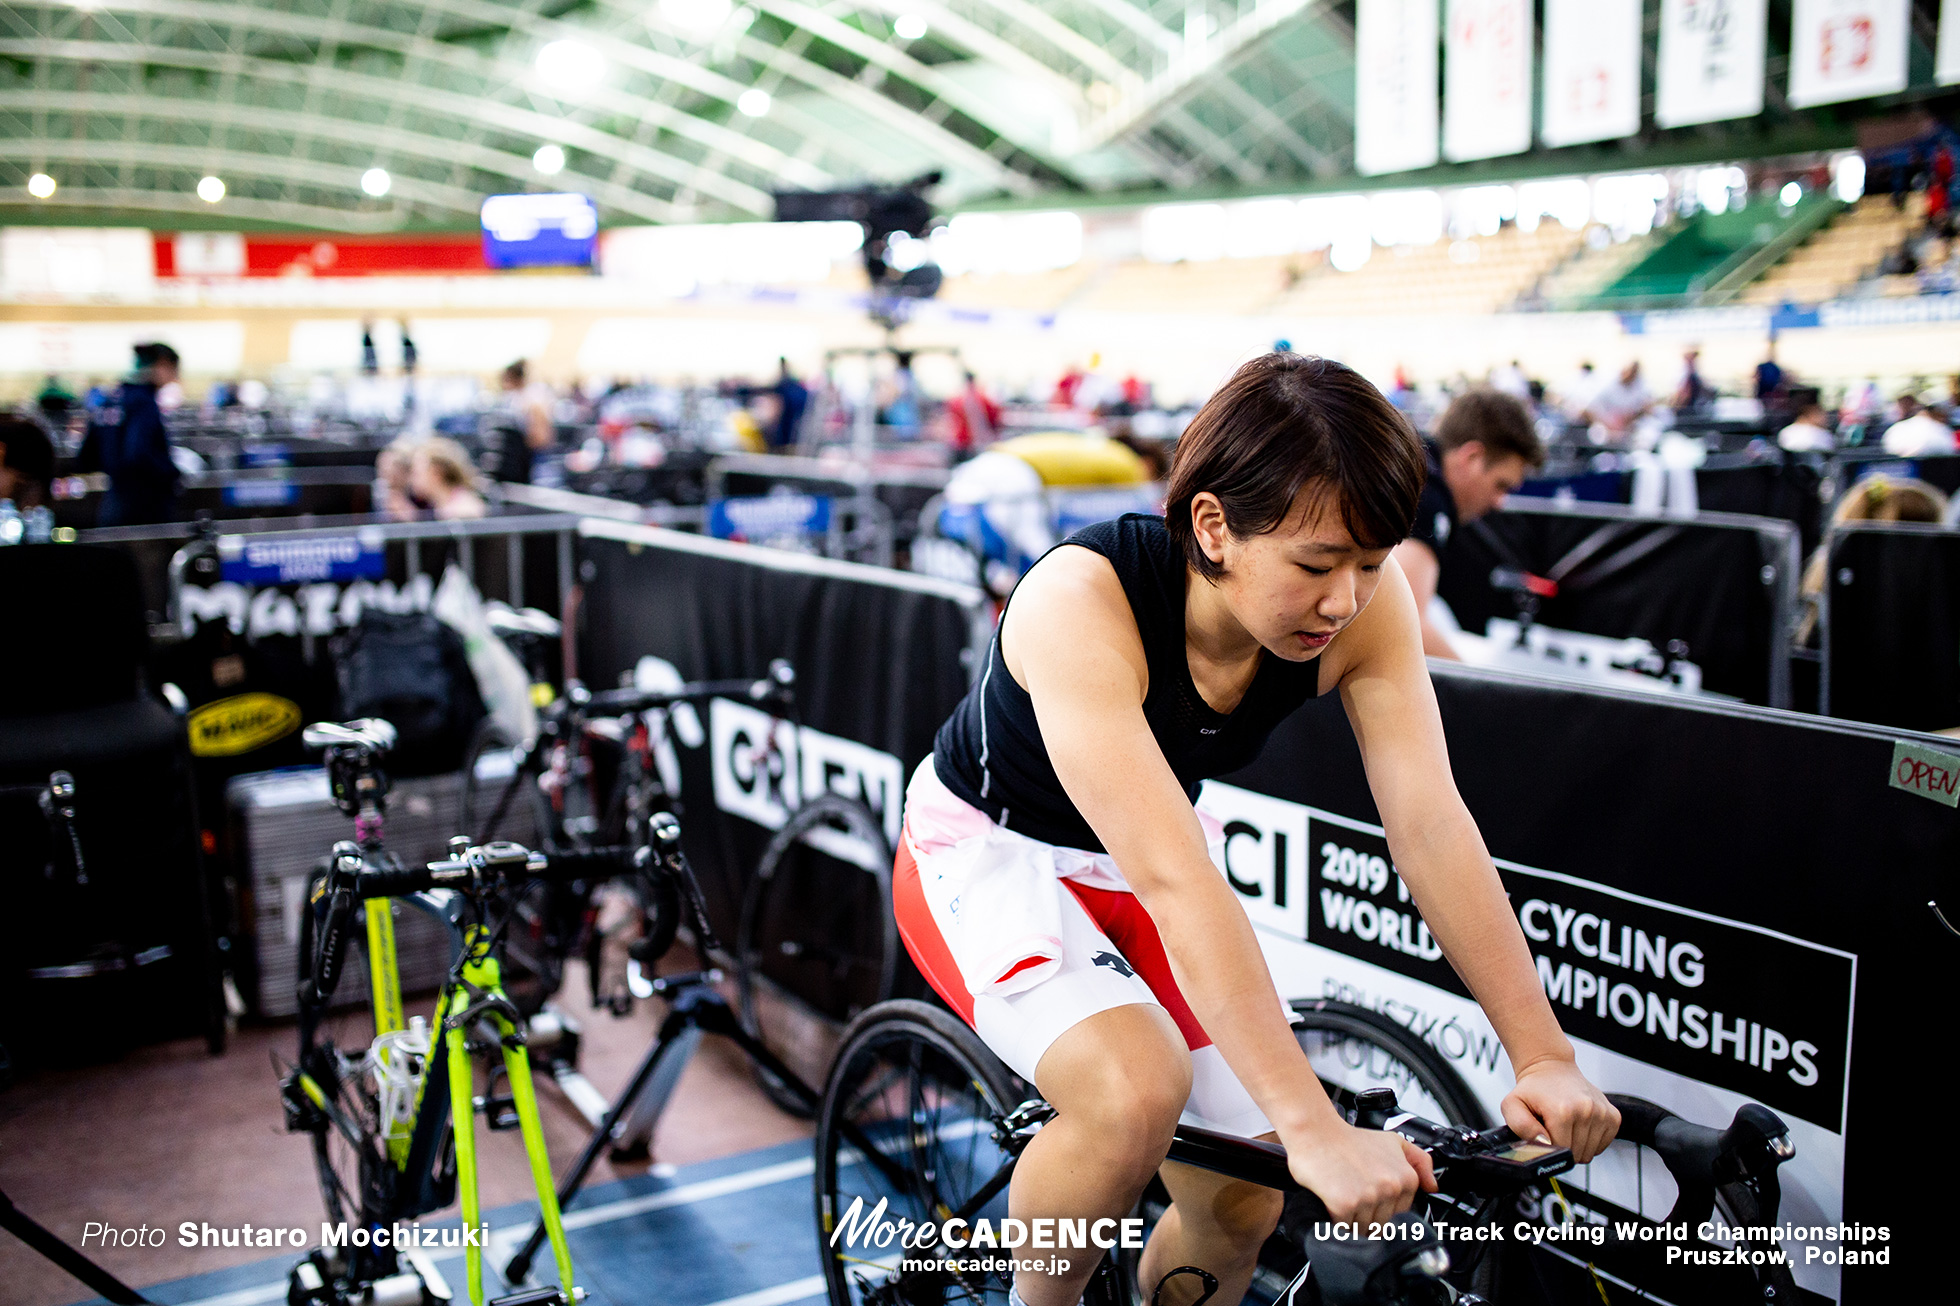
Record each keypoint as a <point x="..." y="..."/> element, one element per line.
<point x="480" y="995"/>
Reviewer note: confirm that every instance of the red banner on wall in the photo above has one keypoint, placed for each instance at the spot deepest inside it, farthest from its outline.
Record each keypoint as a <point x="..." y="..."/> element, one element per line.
<point x="235" y="254"/>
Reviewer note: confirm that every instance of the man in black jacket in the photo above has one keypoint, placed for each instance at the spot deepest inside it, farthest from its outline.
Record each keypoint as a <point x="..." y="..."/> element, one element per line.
<point x="135" y="451"/>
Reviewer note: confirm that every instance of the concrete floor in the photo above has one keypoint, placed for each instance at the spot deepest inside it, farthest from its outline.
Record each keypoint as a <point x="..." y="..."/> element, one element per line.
<point x="169" y="1134"/>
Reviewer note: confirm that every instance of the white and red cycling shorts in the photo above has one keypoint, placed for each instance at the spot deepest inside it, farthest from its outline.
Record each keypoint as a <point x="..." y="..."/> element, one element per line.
<point x="1024" y="939"/>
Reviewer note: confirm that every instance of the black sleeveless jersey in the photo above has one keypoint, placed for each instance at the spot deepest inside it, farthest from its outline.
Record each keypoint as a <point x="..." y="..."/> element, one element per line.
<point x="990" y="753"/>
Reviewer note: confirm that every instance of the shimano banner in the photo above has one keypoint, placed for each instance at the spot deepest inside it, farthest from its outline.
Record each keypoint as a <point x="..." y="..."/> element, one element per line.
<point x="1708" y="933"/>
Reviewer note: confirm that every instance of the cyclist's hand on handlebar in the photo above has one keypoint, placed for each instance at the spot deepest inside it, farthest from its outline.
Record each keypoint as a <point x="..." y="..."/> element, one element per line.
<point x="1554" y="1101"/>
<point x="1363" y="1175"/>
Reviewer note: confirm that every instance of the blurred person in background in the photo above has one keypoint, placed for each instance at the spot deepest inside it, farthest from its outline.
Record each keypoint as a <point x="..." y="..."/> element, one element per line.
<point x="1486" y="443"/>
<point x="793" y="399"/>
<point x="524" y="426"/>
<point x="134" y="448"/>
<point x="26" y="462"/>
<point x="1578" y="392"/>
<point x="1810" y="432"/>
<point x="1876" y="498"/>
<point x="55" y="403"/>
<point x="899" y="406"/>
<point x="393" y="498"/>
<point x="1694" y="394"/>
<point x="1511" y="380"/>
<point x="974" y="416"/>
<point x="441" y="475"/>
<point x="1619" y="405"/>
<point x="1769" y="375"/>
<point x="1917" y="431"/>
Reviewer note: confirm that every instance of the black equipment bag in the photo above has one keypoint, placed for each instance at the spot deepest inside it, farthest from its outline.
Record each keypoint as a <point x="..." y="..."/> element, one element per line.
<point x="409" y="669"/>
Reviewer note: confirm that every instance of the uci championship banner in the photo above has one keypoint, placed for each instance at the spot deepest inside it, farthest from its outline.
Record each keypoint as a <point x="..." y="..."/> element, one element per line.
<point x="1711" y="61"/>
<point x="1394" y="85"/>
<point x="1592" y="71"/>
<point x="1708" y="934"/>
<point x="1487" y="79"/>
<point x="1847" y="49"/>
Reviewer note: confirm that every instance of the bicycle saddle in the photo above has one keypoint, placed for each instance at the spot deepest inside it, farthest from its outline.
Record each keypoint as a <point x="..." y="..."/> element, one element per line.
<point x="505" y="621"/>
<point x="370" y="734"/>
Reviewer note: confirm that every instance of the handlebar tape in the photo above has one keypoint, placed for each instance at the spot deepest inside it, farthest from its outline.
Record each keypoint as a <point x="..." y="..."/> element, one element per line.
<point x="589" y="864"/>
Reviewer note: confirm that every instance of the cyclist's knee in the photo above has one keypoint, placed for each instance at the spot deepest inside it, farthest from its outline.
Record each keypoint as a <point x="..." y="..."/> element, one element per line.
<point x="1245" y="1215"/>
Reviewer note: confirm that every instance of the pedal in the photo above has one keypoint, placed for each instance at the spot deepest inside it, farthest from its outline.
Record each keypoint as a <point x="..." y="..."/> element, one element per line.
<point x="303" y="1116"/>
<point x="499" y="1111"/>
<point x="533" y="1297"/>
<point x="311" y="1283"/>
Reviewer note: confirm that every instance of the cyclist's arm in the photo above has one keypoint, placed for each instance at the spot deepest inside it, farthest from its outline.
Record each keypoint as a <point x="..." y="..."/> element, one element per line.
<point x="1441" y="856"/>
<point x="1420" y="566"/>
<point x="1071" y="641"/>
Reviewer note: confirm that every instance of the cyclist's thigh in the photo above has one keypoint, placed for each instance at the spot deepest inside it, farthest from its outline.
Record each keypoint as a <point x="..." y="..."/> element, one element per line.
<point x="1218" y="1100"/>
<point x="1087" y="977"/>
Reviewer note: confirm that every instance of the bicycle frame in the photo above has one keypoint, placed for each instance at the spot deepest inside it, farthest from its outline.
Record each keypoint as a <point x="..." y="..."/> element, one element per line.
<point x="473" y="994"/>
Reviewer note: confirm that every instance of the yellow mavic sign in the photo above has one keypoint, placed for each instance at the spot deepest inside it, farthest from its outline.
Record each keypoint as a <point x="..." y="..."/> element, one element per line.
<point x="227" y="727"/>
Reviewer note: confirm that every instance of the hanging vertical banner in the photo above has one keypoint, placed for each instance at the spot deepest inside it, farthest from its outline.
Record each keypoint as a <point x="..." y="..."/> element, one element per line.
<point x="1847" y="49"/>
<point x="1711" y="60"/>
<point x="1592" y="71"/>
<point x="1394" y="85"/>
<point x="1946" y="59"/>
<point x="1487" y="79"/>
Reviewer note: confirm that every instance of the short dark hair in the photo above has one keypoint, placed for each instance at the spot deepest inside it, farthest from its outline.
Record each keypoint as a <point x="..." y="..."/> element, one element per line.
<point x="1284" y="422"/>
<point x="28" y="451"/>
<point x="1497" y="421"/>
<point x="154" y="352"/>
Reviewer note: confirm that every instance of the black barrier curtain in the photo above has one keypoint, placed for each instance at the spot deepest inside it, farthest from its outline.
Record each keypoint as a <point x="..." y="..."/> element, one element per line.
<point x="1772" y="821"/>
<point x="1701" y="585"/>
<point x="1894" y="631"/>
<point x="1786" y="489"/>
<point x="876" y="664"/>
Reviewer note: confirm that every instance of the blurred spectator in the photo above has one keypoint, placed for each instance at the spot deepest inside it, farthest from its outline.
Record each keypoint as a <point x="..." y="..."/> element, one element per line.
<point x="974" y="416"/>
<point x="55" y="403"/>
<point x="1066" y="387"/>
<point x="1876" y="498"/>
<point x="900" y="409"/>
<point x="1917" y="431"/>
<point x="1510" y="379"/>
<point x="26" y="462"/>
<point x="1619" y="405"/>
<point x="441" y="475"/>
<point x="408" y="357"/>
<point x="1809" y="433"/>
<point x="1694" y="395"/>
<point x="1486" y="443"/>
<point x="794" y="401"/>
<point x="1769" y="375"/>
<point x="524" y="426"/>
<point x="1579" y="392"/>
<point x="392" y="496"/>
<point x="135" y="445"/>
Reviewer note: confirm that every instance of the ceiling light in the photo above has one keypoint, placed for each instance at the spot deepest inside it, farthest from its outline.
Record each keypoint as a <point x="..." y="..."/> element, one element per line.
<point x="754" y="102"/>
<point x="376" y="181"/>
<point x="570" y="65"/>
<point x="40" y="185"/>
<point x="210" y="189"/>
<point x="549" y="160"/>
<point x="910" y="27"/>
<point x="700" y="16"/>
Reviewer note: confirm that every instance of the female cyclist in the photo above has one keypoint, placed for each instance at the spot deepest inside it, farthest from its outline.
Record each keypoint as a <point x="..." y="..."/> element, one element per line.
<point x="1055" y="884"/>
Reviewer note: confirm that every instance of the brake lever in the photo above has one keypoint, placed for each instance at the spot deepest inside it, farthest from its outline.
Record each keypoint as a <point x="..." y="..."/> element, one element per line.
<point x="666" y="849"/>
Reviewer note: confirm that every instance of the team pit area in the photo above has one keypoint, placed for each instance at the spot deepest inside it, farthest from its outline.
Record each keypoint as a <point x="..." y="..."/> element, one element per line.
<point x="549" y="756"/>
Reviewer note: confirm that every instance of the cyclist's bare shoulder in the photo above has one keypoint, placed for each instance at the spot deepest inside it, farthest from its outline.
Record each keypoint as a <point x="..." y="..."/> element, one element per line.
<point x="1068" y="620"/>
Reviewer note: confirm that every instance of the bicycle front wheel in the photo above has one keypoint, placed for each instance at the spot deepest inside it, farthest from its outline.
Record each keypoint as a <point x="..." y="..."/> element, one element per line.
<point x="908" y="1118"/>
<point x="816" y="929"/>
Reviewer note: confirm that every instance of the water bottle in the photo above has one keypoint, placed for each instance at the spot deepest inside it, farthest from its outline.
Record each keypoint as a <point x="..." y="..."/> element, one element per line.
<point x="40" y="524"/>
<point x="11" y="527"/>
